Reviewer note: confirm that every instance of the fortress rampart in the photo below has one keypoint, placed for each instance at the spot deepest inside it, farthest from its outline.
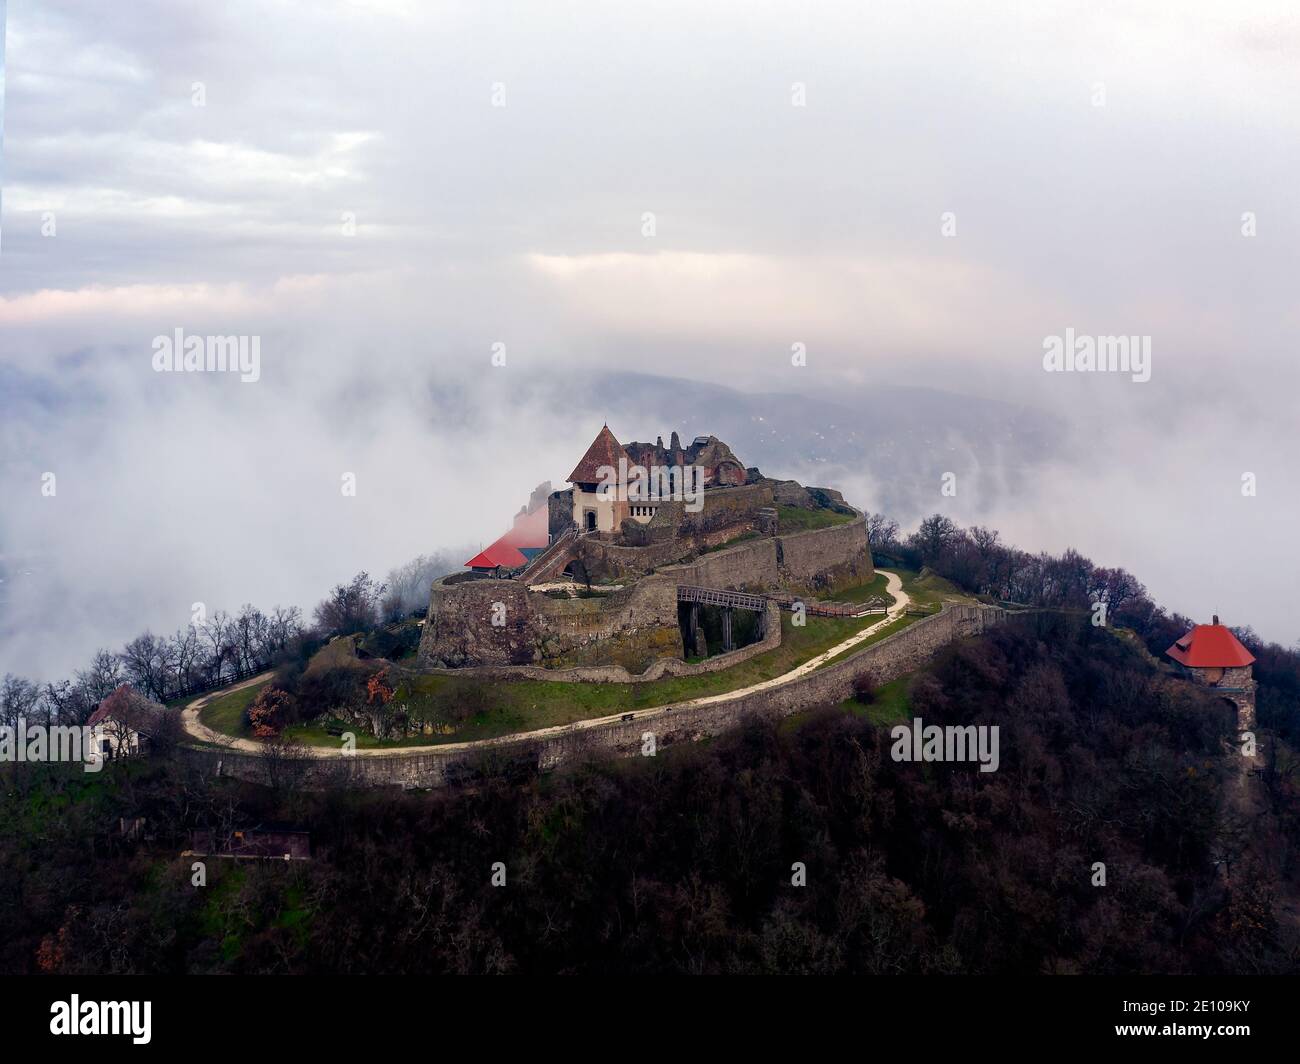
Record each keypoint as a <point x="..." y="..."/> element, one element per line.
<point x="638" y="623"/>
<point x="619" y="674"/>
<point x="501" y="622"/>
<point x="435" y="766"/>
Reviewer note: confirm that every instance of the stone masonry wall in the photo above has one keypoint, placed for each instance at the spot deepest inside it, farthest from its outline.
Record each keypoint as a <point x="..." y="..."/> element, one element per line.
<point x="1235" y="685"/>
<point x="617" y="674"/>
<point x="892" y="657"/>
<point x="825" y="558"/>
<point x="640" y="620"/>
<point x="459" y="628"/>
<point x="751" y="564"/>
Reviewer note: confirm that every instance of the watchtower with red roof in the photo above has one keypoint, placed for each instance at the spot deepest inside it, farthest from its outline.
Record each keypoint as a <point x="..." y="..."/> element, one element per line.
<point x="1212" y="656"/>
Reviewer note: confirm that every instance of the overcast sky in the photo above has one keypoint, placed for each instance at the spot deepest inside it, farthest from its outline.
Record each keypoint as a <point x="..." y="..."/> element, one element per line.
<point x="350" y="192"/>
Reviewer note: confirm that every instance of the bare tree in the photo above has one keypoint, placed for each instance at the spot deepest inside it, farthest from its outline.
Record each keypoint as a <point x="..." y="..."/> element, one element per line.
<point x="282" y="627"/>
<point x="147" y="661"/>
<point x="933" y="537"/>
<point x="186" y="652"/>
<point x="408" y="584"/>
<point x="18" y="698"/>
<point x="882" y="533"/>
<point x="350" y="607"/>
<point x="216" y="637"/>
<point x="102" y="678"/>
<point x="248" y="634"/>
<point x="68" y="702"/>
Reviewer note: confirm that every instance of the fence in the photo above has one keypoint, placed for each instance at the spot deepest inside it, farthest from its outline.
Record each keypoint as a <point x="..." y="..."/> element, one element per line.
<point x="220" y="681"/>
<point x="714" y="596"/>
<point x="813" y="608"/>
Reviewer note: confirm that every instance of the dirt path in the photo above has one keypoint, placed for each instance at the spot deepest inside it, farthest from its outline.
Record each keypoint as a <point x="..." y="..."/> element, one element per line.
<point x="198" y="730"/>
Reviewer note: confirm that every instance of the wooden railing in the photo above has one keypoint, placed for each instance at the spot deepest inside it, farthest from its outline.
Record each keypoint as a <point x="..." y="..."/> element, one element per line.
<point x="548" y="556"/>
<point x="786" y="600"/>
<point x="223" y="681"/>
<point x="716" y="596"/>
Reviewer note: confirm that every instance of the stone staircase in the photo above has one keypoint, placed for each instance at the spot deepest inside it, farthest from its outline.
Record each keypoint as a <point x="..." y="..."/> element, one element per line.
<point x="551" y="561"/>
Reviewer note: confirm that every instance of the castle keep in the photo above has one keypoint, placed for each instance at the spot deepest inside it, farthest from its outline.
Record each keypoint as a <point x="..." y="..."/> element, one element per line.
<point x="594" y="574"/>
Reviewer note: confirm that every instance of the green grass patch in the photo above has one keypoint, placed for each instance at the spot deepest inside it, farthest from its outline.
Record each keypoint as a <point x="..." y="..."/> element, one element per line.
<point x="894" y="626"/>
<point x="797" y="519"/>
<point x="931" y="589"/>
<point x="874" y="588"/>
<point x="225" y="713"/>
<point x="892" y="704"/>
<point x="525" y="705"/>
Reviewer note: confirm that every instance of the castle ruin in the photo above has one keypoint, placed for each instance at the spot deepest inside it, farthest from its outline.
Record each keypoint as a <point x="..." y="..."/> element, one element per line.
<point x="594" y="574"/>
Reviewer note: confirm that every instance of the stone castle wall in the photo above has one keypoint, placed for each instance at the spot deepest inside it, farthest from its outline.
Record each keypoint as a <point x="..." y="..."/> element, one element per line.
<point x="459" y="628"/>
<point x="676" y="533"/>
<point x="892" y="657"/>
<point x="617" y="673"/>
<point x="1235" y="685"/>
<point x="749" y="565"/>
<point x="640" y="620"/>
<point x="826" y="558"/>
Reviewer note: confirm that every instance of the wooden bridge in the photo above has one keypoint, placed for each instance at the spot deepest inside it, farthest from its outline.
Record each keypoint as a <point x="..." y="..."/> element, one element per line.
<point x="716" y="596"/>
<point x="742" y="600"/>
<point x="696" y="596"/>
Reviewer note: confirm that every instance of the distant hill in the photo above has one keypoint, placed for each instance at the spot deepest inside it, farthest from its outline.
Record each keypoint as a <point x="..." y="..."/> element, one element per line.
<point x="884" y="446"/>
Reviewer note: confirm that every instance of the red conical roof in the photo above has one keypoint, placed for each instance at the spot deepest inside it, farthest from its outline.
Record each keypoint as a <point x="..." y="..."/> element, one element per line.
<point x="605" y="450"/>
<point x="1210" y="646"/>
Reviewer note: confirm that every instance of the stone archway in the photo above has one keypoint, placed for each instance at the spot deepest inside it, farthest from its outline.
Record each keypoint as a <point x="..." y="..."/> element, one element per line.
<point x="1244" y="706"/>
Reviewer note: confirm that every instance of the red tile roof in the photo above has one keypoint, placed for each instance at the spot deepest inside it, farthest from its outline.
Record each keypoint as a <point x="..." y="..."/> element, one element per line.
<point x="530" y="532"/>
<point x="499" y="553"/>
<point x="129" y="707"/>
<point x="605" y="450"/>
<point x="1210" y="646"/>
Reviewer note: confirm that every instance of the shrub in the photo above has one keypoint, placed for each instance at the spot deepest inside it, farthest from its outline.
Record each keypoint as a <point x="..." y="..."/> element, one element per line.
<point x="378" y="689"/>
<point x="400" y="643"/>
<point x="271" y="711"/>
<point x="329" y="689"/>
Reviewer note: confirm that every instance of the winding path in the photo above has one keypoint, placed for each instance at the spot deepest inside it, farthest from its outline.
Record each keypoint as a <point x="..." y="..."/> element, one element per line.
<point x="198" y="730"/>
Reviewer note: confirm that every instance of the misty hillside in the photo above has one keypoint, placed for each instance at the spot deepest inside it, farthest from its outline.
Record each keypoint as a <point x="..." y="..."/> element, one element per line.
<point x="682" y="863"/>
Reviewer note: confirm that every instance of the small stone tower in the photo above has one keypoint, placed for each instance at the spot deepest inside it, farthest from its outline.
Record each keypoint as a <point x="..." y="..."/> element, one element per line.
<point x="1213" y="657"/>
